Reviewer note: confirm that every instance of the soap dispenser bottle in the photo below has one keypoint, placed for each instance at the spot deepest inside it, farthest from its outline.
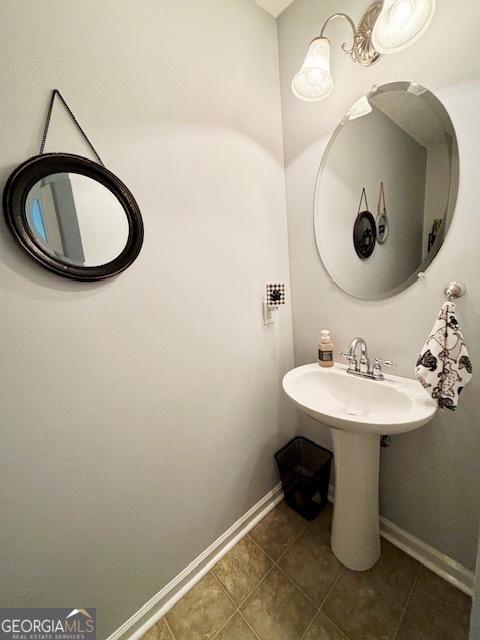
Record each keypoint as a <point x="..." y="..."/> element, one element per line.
<point x="325" y="349"/>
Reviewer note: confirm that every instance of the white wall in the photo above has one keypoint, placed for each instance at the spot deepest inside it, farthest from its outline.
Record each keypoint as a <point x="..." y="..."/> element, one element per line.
<point x="429" y="477"/>
<point x="367" y="151"/>
<point x="101" y="219"/>
<point x="140" y="415"/>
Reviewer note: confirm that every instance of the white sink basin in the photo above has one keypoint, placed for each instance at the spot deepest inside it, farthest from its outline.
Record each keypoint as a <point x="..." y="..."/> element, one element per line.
<point x="351" y="403"/>
<point x="358" y="410"/>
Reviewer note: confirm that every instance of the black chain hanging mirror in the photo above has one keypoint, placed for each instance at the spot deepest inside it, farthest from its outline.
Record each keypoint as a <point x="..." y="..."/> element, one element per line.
<point x="364" y="230"/>
<point x="70" y="214"/>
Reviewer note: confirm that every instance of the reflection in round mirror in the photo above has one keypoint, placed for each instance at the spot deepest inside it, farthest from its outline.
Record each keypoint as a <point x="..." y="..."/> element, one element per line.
<point x="76" y="219"/>
<point x="73" y="216"/>
<point x="364" y="234"/>
<point x="405" y="140"/>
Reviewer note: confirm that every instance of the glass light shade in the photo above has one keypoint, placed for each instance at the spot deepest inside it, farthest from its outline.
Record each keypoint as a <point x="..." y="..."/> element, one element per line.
<point x="400" y="23"/>
<point x="314" y="80"/>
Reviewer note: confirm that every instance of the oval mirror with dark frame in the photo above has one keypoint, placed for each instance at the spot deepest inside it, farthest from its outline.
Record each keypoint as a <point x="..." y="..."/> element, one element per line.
<point x="398" y="143"/>
<point x="364" y="234"/>
<point x="73" y="216"/>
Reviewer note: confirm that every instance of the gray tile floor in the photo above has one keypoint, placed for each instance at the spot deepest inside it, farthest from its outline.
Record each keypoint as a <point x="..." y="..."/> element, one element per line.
<point x="282" y="582"/>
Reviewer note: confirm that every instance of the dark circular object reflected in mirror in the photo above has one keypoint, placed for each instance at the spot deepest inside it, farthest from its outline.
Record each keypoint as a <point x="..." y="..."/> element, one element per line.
<point x="73" y="216"/>
<point x="364" y="234"/>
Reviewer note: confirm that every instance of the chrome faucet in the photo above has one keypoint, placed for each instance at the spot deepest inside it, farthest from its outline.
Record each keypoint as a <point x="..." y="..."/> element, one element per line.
<point x="360" y="366"/>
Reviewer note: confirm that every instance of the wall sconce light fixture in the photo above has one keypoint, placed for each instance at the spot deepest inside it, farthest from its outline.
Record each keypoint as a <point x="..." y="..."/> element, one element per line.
<point x="386" y="27"/>
<point x="401" y="23"/>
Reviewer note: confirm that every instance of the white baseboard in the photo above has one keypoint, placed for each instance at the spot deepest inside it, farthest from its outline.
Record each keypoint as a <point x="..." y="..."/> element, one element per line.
<point x="441" y="564"/>
<point x="151" y="612"/>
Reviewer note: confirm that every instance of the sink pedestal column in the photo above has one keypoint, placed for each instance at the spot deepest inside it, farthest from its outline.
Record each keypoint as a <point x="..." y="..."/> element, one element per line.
<point x="356" y="525"/>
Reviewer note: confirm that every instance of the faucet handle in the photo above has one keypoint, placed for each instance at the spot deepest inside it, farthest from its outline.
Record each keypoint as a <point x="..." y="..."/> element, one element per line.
<point x="386" y="363"/>
<point x="377" y="367"/>
<point x="348" y="356"/>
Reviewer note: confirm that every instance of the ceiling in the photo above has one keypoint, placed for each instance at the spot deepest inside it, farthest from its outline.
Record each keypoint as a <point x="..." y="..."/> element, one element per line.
<point x="274" y="7"/>
<point x="413" y="115"/>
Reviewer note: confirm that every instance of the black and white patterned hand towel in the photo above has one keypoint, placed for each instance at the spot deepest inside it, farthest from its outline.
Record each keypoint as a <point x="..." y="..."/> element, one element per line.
<point x="444" y="367"/>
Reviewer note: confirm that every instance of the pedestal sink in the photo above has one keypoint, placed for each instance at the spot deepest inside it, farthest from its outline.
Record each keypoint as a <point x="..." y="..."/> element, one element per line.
<point x="358" y="411"/>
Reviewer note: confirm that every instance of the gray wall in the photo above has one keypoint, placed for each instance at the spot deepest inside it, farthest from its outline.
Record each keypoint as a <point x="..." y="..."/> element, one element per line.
<point x="140" y="415"/>
<point x="429" y="478"/>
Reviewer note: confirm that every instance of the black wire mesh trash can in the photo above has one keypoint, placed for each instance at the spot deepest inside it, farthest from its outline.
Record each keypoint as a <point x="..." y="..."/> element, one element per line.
<point x="305" y="471"/>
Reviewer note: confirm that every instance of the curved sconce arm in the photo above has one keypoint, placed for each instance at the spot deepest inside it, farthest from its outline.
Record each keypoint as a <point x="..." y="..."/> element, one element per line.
<point x="362" y="49"/>
<point x="345" y="49"/>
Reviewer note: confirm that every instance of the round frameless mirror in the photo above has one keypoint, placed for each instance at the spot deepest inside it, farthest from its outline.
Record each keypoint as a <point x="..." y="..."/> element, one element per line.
<point x="73" y="216"/>
<point x="401" y="148"/>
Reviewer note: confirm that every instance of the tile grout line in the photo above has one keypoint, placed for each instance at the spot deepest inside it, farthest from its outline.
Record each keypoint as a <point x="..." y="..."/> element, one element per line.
<point x="249" y="625"/>
<point x="277" y="566"/>
<point x="248" y="596"/>
<point x="334" y="625"/>
<point x="168" y="627"/>
<point x="322" y="613"/>
<point x="237" y="607"/>
<point x="262" y="549"/>
<point x="290" y="545"/>
<point x="310" y="624"/>
<point x="222" y="587"/>
<point x="275" y="563"/>
<point x="337" y="628"/>
<point x="251" y="591"/>
<point x="255" y="587"/>
<point x="407" y="601"/>
<point x="217" y="633"/>
<point x="306" y="527"/>
<point x="340" y="573"/>
<point x="317" y="608"/>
